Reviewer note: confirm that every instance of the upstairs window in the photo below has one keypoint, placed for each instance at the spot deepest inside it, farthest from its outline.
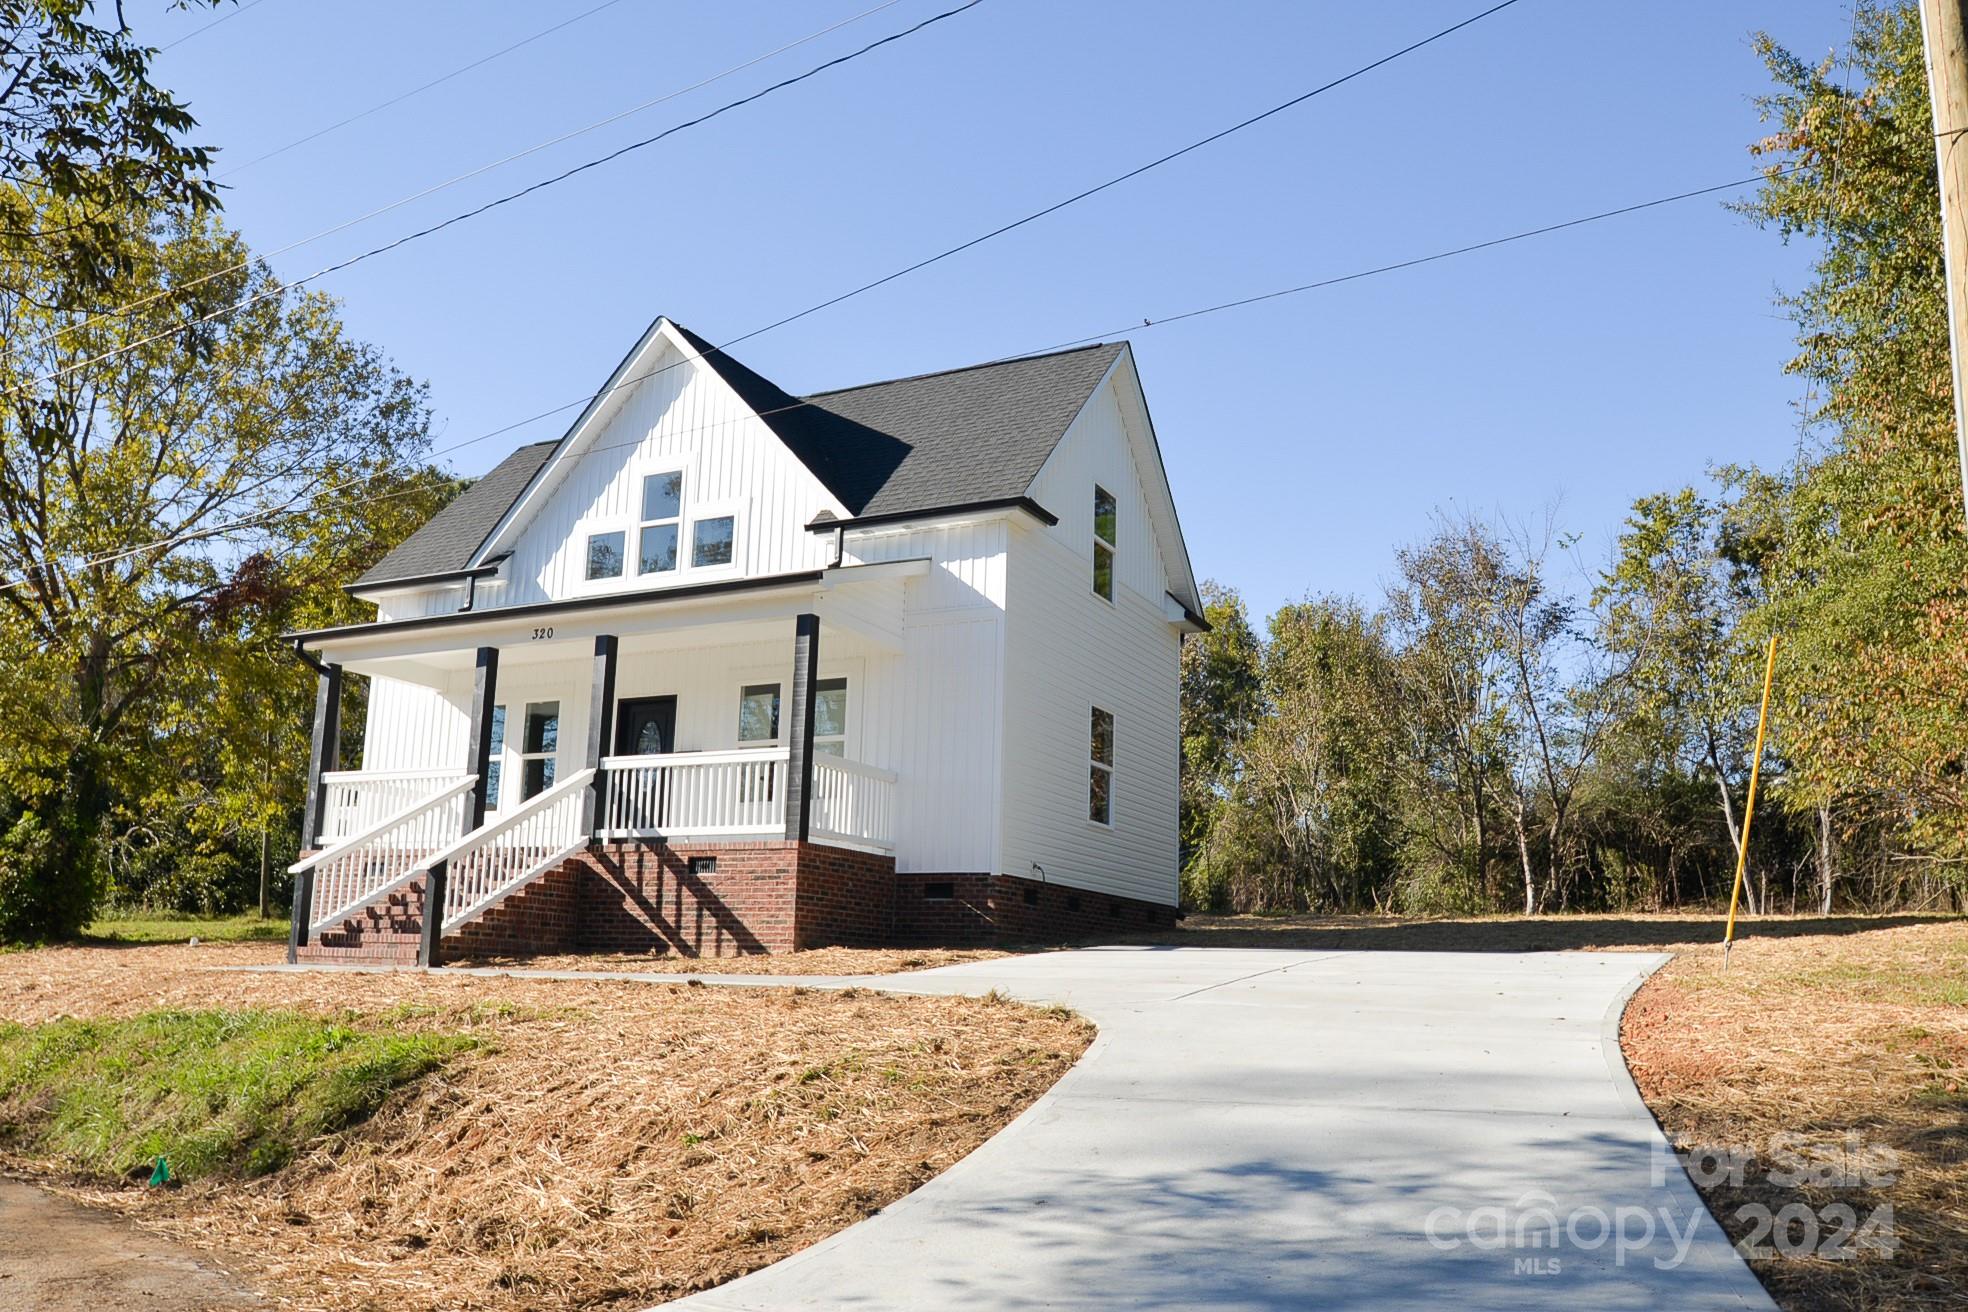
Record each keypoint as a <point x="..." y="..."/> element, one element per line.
<point x="711" y="541"/>
<point x="605" y="555"/>
<point x="1105" y="529"/>
<point x="1100" y="769"/>
<point x="661" y="523"/>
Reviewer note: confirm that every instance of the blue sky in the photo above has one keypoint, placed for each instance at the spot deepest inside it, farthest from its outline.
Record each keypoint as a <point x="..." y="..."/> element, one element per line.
<point x="1306" y="438"/>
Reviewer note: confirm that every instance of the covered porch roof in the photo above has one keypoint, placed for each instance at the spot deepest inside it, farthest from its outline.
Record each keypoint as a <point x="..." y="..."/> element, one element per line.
<point x="864" y="600"/>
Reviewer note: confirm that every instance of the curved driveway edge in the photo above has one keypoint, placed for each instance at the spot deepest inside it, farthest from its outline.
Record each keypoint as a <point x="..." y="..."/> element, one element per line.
<point x="1264" y="1129"/>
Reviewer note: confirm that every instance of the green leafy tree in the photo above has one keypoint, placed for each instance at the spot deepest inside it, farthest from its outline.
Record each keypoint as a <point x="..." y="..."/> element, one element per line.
<point x="162" y="502"/>
<point x="1221" y="698"/>
<point x="1861" y="551"/>
<point x="80" y="117"/>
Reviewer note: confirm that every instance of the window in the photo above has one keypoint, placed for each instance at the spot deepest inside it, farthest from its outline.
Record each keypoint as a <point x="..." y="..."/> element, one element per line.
<point x="758" y="713"/>
<point x="711" y="539"/>
<point x="538" y="748"/>
<point x="830" y="717"/>
<point x="662" y="520"/>
<point x="494" y="759"/>
<point x="1100" y="769"/>
<point x="1105" y="517"/>
<point x="605" y="554"/>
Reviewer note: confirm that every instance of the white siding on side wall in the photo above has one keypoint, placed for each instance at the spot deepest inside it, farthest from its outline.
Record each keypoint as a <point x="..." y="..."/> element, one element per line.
<point x="1067" y="651"/>
<point x="1096" y="450"/>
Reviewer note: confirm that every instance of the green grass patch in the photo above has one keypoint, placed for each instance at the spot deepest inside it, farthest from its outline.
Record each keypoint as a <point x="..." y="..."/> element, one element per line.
<point x="213" y="1092"/>
<point x="136" y="925"/>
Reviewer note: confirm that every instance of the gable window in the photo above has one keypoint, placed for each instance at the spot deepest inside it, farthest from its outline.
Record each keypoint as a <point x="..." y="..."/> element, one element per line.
<point x="605" y="555"/>
<point x="758" y="713"/>
<point x="661" y="523"/>
<point x="1105" y="530"/>
<point x="539" y="748"/>
<point x="1100" y="769"/>
<point x="830" y="717"/>
<point x="494" y="763"/>
<point x="711" y="540"/>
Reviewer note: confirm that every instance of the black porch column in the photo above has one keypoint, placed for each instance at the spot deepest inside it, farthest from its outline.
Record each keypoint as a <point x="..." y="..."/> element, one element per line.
<point x="478" y="760"/>
<point x="799" y="728"/>
<point x="324" y="751"/>
<point x="601" y="725"/>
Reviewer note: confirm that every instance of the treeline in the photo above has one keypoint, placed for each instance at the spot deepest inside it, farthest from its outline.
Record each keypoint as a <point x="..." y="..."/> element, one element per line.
<point x="1483" y="738"/>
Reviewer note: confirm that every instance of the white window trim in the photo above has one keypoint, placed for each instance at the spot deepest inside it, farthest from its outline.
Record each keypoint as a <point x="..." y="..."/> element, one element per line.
<point x="1113" y="547"/>
<point x="644" y="471"/>
<point x="745" y="676"/>
<point x="737" y="511"/>
<point x="1107" y="825"/>
<point x="587" y="528"/>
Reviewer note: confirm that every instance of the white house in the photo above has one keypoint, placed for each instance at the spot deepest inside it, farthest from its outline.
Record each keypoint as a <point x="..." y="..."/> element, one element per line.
<point x="724" y="669"/>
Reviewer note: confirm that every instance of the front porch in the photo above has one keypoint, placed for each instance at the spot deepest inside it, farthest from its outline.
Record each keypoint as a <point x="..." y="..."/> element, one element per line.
<point x="659" y="775"/>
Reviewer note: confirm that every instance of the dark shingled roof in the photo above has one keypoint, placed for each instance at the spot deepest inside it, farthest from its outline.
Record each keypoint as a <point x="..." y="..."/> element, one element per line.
<point x="924" y="443"/>
<point x="450" y="538"/>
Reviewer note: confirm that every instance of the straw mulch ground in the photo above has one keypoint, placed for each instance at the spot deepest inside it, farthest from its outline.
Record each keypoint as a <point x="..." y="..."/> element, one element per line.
<point x="609" y="1145"/>
<point x="1858" y="1031"/>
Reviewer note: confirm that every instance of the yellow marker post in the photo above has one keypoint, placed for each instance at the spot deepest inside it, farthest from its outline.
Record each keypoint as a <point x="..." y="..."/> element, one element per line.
<point x="1749" y="807"/>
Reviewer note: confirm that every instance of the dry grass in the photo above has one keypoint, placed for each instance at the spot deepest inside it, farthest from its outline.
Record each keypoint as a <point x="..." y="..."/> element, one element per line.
<point x="608" y="1145"/>
<point x="1823" y="1035"/>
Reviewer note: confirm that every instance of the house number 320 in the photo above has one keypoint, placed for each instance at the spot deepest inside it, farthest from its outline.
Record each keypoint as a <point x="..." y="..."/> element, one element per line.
<point x="547" y="632"/>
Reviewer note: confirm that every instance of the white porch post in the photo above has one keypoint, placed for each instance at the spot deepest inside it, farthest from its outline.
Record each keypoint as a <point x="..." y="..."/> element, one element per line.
<point x="799" y="728"/>
<point x="601" y="727"/>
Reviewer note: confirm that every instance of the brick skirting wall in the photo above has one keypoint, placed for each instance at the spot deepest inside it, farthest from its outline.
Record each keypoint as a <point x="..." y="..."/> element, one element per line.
<point x="765" y="896"/>
<point x="975" y="910"/>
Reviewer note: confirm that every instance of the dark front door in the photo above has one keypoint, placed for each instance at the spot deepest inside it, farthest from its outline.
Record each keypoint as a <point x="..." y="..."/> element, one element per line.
<point x="645" y="726"/>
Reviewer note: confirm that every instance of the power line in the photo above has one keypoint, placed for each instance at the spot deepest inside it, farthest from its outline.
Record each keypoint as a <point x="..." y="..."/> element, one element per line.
<point x="590" y="398"/>
<point x="466" y="176"/>
<point x="280" y="288"/>
<point x="201" y="31"/>
<point x="885" y="279"/>
<point x="460" y="71"/>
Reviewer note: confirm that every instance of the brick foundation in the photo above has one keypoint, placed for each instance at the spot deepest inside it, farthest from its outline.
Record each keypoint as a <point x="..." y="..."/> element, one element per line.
<point x="767" y="896"/>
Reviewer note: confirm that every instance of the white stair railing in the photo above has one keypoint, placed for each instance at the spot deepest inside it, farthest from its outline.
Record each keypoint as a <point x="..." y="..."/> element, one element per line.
<point x="852" y="802"/>
<point x="382" y="858"/>
<point x="497" y="859"/>
<point x="354" y="800"/>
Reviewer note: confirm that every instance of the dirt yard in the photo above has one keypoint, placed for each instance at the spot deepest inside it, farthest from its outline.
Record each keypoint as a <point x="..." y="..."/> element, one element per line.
<point x="1855" y="1041"/>
<point x="607" y="1145"/>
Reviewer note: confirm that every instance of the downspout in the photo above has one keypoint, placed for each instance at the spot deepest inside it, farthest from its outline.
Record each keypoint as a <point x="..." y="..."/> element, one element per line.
<point x="301" y="653"/>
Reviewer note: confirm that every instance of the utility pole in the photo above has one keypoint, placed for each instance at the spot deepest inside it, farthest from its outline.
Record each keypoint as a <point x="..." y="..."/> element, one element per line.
<point x="1944" y="34"/>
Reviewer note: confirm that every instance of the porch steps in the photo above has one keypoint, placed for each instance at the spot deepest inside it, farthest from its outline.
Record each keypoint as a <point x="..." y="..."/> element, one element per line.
<point x="537" y="916"/>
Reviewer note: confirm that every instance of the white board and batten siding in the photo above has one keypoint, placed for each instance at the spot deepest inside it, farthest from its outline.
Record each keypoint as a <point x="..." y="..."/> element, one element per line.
<point x="1068" y="650"/>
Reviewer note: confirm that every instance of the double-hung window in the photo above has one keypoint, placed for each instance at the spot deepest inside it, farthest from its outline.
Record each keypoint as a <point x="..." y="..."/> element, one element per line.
<point x="661" y="524"/>
<point x="539" y="748"/>
<point x="1105" y="530"/>
<point x="830" y="717"/>
<point x="495" y="762"/>
<point x="1100" y="769"/>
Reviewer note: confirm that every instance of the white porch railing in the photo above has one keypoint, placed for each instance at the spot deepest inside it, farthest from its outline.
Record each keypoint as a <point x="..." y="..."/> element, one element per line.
<point x="742" y="794"/>
<point x="852" y="802"/>
<point x="382" y="858"/>
<point x="355" y="800"/>
<point x="498" y="859"/>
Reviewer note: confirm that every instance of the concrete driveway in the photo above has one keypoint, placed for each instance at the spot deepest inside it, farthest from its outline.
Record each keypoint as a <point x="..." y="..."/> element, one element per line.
<point x="1275" y="1129"/>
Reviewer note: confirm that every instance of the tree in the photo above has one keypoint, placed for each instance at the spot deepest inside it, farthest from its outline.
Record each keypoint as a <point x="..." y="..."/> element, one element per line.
<point x="1861" y="552"/>
<point x="80" y="117"/>
<point x="1221" y="693"/>
<point x="1673" y="606"/>
<point x="159" y="503"/>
